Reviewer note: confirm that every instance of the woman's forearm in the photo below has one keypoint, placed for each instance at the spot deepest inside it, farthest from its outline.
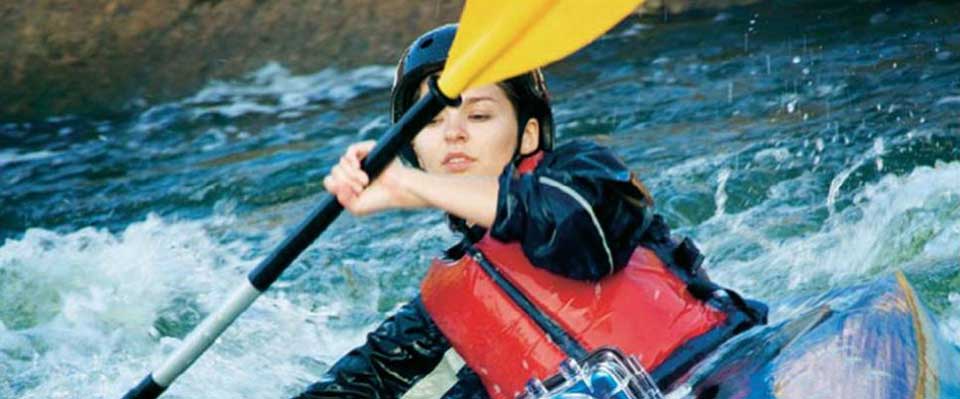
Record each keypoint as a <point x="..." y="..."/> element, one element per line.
<point x="472" y="198"/>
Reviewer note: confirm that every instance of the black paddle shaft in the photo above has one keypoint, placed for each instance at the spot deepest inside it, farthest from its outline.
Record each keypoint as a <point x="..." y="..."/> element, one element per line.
<point x="401" y="133"/>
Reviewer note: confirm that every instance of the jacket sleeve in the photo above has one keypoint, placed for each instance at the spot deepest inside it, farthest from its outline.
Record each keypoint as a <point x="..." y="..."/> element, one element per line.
<point x="468" y="386"/>
<point x="576" y="214"/>
<point x="403" y="349"/>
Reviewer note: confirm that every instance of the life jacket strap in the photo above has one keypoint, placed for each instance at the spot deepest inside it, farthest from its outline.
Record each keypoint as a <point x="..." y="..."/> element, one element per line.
<point x="689" y="258"/>
<point x="557" y="334"/>
<point x="706" y="290"/>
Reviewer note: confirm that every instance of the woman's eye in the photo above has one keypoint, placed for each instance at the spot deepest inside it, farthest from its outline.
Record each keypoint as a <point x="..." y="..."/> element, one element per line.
<point x="479" y="117"/>
<point x="434" y="121"/>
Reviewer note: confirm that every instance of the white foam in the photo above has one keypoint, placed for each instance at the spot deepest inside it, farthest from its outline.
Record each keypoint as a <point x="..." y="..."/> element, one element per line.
<point x="273" y="89"/>
<point x="876" y="151"/>
<point x="93" y="334"/>
<point x="897" y="221"/>
<point x="948" y="100"/>
<point x="720" y="197"/>
<point x="270" y="90"/>
<point x="777" y="154"/>
<point x="11" y="156"/>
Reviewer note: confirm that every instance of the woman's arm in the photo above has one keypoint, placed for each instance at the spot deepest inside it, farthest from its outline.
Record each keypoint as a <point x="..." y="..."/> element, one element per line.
<point x="472" y="198"/>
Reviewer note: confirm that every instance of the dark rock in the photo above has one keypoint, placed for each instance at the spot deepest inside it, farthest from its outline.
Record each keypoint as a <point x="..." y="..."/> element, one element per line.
<point x="97" y="57"/>
<point x="100" y="58"/>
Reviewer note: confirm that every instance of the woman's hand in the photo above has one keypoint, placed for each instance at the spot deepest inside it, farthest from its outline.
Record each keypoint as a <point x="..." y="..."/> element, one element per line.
<point x="472" y="198"/>
<point x="352" y="187"/>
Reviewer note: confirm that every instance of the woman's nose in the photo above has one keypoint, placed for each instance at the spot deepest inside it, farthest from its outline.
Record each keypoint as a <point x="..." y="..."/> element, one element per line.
<point x="455" y="130"/>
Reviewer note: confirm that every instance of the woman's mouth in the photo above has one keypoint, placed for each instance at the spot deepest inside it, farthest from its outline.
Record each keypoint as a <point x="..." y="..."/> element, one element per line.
<point x="457" y="162"/>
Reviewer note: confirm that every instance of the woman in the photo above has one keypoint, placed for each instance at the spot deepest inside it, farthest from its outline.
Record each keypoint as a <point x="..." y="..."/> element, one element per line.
<point x="575" y="211"/>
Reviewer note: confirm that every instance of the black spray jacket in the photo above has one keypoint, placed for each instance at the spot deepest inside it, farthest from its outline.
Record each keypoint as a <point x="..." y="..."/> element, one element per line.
<point x="580" y="213"/>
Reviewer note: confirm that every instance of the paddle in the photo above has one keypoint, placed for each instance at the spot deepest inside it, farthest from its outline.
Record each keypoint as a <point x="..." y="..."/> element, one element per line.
<point x="496" y="39"/>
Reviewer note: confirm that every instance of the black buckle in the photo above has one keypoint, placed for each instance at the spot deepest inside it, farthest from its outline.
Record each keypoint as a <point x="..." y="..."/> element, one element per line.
<point x="688" y="256"/>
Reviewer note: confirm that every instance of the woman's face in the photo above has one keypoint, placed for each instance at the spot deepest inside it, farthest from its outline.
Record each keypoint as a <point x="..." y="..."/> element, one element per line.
<point x="477" y="138"/>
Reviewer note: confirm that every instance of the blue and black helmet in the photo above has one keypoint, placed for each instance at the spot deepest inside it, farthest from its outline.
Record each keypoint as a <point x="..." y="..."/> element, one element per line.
<point x="427" y="55"/>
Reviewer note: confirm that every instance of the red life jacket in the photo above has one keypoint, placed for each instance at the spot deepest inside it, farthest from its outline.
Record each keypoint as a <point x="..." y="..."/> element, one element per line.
<point x="498" y="310"/>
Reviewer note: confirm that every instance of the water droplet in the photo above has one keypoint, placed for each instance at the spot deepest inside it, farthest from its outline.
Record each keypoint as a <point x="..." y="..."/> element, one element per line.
<point x="878" y="145"/>
<point x="879" y="18"/>
<point x="791" y="106"/>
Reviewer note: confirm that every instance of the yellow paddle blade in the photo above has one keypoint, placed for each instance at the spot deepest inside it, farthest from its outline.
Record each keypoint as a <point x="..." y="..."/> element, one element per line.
<point x="499" y="39"/>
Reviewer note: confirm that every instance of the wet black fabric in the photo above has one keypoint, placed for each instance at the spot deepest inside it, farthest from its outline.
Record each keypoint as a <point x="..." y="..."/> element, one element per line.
<point x="579" y="214"/>
<point x="403" y="349"/>
<point x="468" y="386"/>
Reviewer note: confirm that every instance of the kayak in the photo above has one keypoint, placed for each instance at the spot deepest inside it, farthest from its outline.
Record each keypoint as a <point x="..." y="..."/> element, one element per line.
<point x="874" y="341"/>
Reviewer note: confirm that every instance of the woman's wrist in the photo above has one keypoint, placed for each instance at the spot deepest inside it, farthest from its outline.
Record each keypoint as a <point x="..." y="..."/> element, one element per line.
<point x="408" y="182"/>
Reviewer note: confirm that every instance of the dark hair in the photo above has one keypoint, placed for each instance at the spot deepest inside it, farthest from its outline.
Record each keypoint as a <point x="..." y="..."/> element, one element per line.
<point x="513" y="96"/>
<point x="510" y="89"/>
<point x="514" y="89"/>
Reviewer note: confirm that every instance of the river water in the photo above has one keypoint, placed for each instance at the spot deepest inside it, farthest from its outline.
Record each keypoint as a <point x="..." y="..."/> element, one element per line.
<point x="805" y="147"/>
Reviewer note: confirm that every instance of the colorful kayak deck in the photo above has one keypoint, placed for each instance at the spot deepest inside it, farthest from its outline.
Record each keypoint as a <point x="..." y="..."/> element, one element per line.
<point x="873" y="341"/>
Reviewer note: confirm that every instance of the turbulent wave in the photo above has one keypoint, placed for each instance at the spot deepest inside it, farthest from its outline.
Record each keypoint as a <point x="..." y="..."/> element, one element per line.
<point x="87" y="313"/>
<point x="909" y="222"/>
<point x="271" y="90"/>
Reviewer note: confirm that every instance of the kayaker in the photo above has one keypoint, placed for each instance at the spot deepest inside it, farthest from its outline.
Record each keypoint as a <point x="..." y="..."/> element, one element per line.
<point x="576" y="217"/>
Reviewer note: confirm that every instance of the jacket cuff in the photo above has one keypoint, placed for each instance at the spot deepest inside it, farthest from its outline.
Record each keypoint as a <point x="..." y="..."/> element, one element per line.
<point x="508" y="222"/>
